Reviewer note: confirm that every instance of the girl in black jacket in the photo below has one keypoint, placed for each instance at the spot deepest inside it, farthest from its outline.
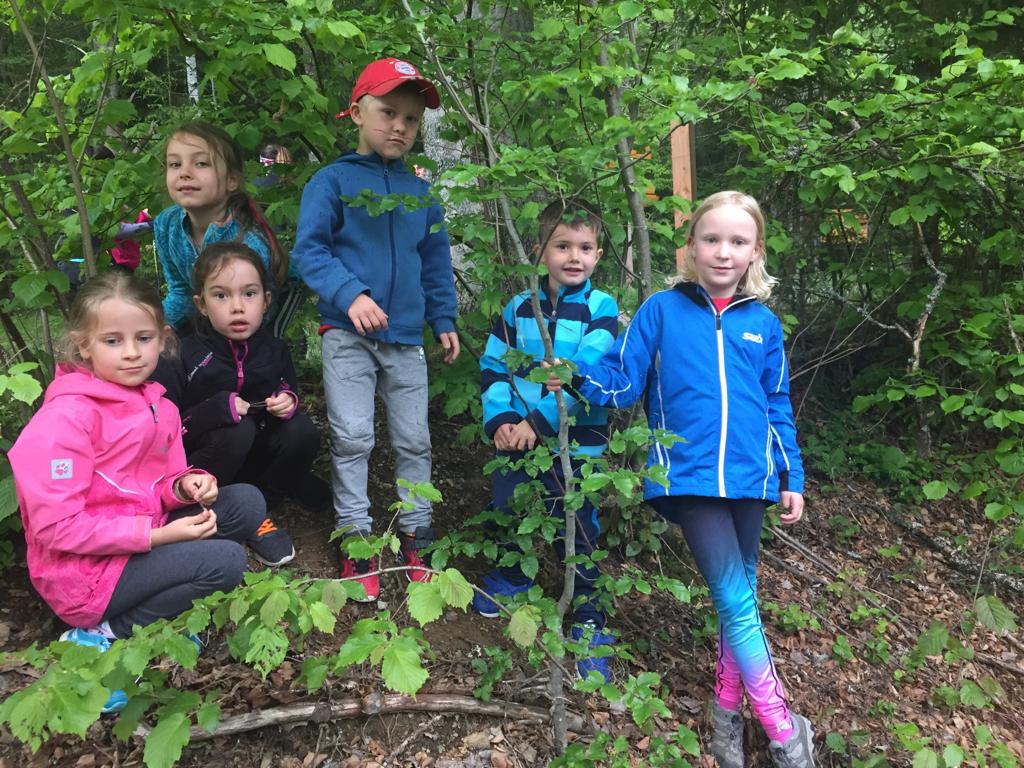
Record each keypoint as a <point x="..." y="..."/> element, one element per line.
<point x="236" y="387"/>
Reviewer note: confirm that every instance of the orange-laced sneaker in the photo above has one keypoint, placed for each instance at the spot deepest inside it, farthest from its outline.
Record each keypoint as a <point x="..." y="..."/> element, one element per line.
<point x="270" y="545"/>
<point x="354" y="569"/>
<point x="412" y="543"/>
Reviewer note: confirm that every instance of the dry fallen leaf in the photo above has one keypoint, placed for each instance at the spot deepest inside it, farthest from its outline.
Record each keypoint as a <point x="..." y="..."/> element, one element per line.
<point x="478" y="740"/>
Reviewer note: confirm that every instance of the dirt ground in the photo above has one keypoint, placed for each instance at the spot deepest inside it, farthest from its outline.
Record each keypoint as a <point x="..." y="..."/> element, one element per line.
<point x="825" y="577"/>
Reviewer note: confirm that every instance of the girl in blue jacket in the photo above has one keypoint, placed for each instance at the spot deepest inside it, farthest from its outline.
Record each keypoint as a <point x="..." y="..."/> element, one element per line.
<point x="709" y="358"/>
<point x="204" y="171"/>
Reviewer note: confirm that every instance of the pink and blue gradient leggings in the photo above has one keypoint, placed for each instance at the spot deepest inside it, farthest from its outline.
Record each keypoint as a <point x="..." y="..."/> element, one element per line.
<point x="724" y="536"/>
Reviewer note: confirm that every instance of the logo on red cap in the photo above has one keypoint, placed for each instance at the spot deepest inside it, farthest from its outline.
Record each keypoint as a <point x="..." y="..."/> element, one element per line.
<point x="384" y="75"/>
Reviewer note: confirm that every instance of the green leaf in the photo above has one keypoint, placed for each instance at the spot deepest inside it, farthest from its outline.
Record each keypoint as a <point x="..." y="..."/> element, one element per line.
<point x="22" y="386"/>
<point x="455" y="590"/>
<point x="996" y="511"/>
<point x="971" y="695"/>
<point x="936" y="489"/>
<point x="279" y="55"/>
<point x="933" y="641"/>
<point x="8" y="497"/>
<point x="926" y="758"/>
<point x="314" y="673"/>
<point x="952" y="403"/>
<point x="401" y="668"/>
<point x="550" y="27"/>
<point x="523" y="626"/>
<point x="787" y="69"/>
<point x="425" y="602"/>
<point x="953" y="756"/>
<point x="323" y="618"/>
<point x="357" y="649"/>
<point x="344" y="29"/>
<point x="274" y="607"/>
<point x="835" y="742"/>
<point x="166" y="740"/>
<point x="238" y="609"/>
<point x="628" y="9"/>
<point x="208" y="716"/>
<point x="334" y="595"/>
<point x="994" y="614"/>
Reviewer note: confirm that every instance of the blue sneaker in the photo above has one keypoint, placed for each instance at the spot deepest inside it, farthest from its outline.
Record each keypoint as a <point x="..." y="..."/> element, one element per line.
<point x="118" y="699"/>
<point x="498" y="586"/>
<point x="597" y="638"/>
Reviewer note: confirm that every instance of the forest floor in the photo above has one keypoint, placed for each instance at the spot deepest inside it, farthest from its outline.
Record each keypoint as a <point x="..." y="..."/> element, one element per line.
<point x="822" y="579"/>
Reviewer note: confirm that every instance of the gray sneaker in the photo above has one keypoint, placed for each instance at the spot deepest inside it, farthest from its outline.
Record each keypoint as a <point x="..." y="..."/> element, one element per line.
<point x="798" y="750"/>
<point x="727" y="740"/>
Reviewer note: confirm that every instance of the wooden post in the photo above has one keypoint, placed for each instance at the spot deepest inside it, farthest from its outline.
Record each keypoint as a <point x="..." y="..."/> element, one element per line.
<point x="682" y="173"/>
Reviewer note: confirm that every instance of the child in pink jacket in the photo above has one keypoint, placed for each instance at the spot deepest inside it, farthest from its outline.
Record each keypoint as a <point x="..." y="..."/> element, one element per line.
<point x="120" y="531"/>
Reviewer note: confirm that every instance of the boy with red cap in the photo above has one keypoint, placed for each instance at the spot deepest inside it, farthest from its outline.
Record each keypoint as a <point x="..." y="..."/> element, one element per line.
<point x="379" y="275"/>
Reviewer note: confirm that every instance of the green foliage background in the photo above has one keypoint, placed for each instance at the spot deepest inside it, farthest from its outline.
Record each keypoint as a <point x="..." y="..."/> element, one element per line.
<point x="884" y="141"/>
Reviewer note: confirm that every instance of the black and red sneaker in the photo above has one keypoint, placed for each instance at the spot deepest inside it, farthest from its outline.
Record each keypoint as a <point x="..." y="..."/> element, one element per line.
<point x="362" y="572"/>
<point x="412" y="543"/>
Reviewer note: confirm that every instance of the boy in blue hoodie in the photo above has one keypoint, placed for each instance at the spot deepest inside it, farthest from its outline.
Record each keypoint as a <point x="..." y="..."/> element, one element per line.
<point x="379" y="275"/>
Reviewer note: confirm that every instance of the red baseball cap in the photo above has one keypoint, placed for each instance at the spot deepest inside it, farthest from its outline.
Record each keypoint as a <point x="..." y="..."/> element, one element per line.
<point x="385" y="75"/>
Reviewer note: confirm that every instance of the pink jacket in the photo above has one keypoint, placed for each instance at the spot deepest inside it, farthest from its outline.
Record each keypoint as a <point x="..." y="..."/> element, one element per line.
<point x="94" y="471"/>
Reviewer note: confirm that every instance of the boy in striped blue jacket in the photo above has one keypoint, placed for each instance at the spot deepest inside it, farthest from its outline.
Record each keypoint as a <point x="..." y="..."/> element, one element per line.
<point x="582" y="323"/>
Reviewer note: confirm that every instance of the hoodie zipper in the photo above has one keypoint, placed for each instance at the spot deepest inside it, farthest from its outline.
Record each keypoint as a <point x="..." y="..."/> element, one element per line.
<point x="723" y="386"/>
<point x="239" y="369"/>
<point x="391" y="236"/>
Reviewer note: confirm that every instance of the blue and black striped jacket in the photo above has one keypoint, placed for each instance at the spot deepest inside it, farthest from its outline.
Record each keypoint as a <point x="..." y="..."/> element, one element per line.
<point x="582" y="325"/>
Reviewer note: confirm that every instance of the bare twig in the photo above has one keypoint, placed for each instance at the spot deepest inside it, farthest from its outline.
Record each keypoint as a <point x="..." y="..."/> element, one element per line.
<point x="559" y="715"/>
<point x="375" y="704"/>
<point x="69" y="154"/>
<point x="613" y="104"/>
<point x="933" y="297"/>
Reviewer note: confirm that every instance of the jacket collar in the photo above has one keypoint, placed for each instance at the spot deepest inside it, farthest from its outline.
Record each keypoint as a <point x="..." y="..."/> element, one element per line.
<point x="373" y="161"/>
<point x="565" y="291"/>
<point x="73" y="379"/>
<point x="695" y="293"/>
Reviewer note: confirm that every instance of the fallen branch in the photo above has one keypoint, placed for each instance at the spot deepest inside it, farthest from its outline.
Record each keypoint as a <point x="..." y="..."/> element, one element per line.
<point x="376" y="704"/>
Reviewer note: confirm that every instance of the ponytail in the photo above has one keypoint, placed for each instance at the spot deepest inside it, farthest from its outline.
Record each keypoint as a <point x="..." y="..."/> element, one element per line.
<point x="249" y="215"/>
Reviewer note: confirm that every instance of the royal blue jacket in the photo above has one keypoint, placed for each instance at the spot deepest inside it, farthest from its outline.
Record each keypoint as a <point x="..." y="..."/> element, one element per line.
<point x="582" y="324"/>
<point x="398" y="255"/>
<point x="719" y="380"/>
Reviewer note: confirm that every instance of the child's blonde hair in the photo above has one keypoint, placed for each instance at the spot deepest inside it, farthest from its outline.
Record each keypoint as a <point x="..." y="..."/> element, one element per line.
<point x="114" y="284"/>
<point x="756" y="282"/>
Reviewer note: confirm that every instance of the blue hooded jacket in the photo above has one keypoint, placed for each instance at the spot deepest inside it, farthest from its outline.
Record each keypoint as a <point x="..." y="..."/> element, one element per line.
<point x="582" y="325"/>
<point x="717" y="379"/>
<point x="400" y="257"/>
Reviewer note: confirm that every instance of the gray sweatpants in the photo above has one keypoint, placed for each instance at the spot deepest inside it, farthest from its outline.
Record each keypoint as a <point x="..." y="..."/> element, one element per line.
<point x="356" y="368"/>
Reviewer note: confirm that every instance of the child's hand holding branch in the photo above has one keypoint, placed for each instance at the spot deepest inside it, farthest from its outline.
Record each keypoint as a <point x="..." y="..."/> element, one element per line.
<point x="198" y="487"/>
<point x="281" y="404"/>
<point x="554" y="384"/>
<point x="191" y="528"/>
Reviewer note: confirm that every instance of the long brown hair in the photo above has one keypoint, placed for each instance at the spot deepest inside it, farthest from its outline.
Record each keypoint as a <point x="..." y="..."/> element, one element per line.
<point x="240" y="204"/>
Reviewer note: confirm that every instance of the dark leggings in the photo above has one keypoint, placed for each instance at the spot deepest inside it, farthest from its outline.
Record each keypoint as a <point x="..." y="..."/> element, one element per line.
<point x="587" y="531"/>
<point x="273" y="454"/>
<point x="724" y="536"/>
<point x="162" y="583"/>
